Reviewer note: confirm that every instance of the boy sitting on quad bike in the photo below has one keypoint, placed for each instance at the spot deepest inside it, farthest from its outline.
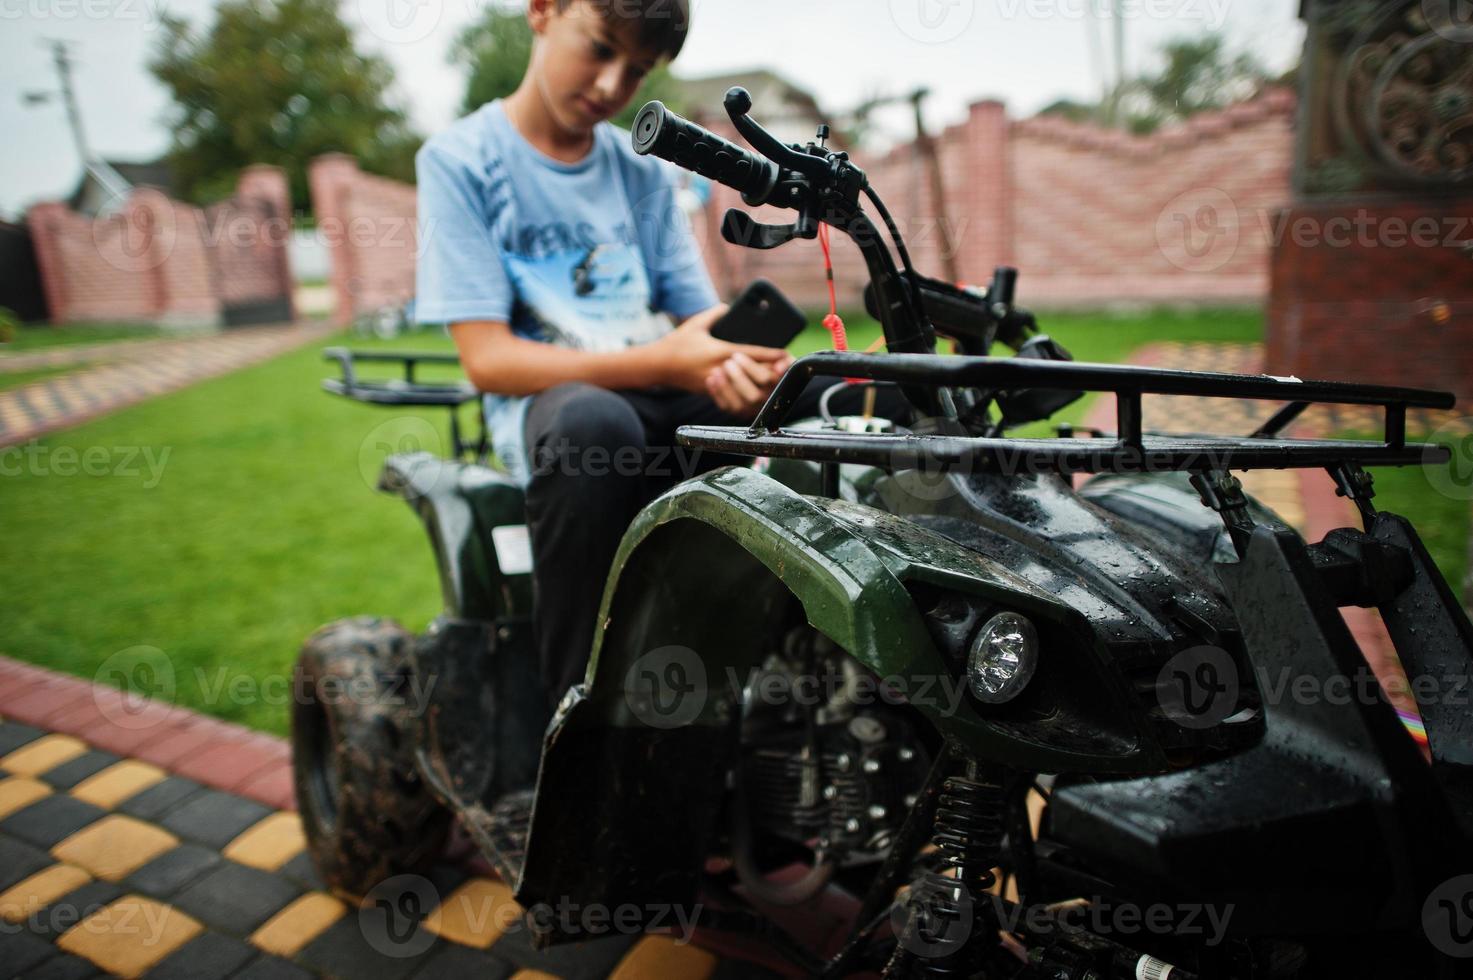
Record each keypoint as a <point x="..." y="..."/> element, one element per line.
<point x="1108" y="645"/>
<point x="558" y="256"/>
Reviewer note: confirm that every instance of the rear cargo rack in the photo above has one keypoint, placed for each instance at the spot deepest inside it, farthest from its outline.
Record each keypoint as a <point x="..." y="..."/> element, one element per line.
<point x="409" y="391"/>
<point x="1130" y="450"/>
<point x="393" y="391"/>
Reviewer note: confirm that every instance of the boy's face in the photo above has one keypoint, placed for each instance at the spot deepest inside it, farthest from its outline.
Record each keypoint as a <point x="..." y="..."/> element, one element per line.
<point x="588" y="66"/>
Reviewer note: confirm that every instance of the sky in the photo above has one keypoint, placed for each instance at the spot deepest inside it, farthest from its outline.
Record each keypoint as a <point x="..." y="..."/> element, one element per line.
<point x="1027" y="53"/>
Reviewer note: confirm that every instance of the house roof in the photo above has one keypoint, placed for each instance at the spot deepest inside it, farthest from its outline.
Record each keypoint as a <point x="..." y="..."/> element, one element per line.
<point x="768" y="89"/>
<point x="114" y="177"/>
<point x="154" y="173"/>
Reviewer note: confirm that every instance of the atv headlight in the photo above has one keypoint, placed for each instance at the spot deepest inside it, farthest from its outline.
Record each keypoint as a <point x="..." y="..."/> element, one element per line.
<point x="1003" y="658"/>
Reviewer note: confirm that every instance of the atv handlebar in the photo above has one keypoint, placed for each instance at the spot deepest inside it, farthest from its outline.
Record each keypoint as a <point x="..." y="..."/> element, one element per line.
<point x="670" y="136"/>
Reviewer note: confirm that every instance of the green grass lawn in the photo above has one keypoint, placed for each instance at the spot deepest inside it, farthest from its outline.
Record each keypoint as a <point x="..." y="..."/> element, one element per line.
<point x="233" y="518"/>
<point x="31" y="338"/>
<point x="223" y="523"/>
<point x="1105" y="338"/>
<point x="1441" y="520"/>
<point x="14" y="379"/>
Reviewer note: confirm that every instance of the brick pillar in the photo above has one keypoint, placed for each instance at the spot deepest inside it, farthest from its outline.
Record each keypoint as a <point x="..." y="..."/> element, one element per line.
<point x="987" y="199"/>
<point x="43" y="220"/>
<point x="330" y="178"/>
<point x="266" y="183"/>
<point x="1375" y="290"/>
<point x="177" y="261"/>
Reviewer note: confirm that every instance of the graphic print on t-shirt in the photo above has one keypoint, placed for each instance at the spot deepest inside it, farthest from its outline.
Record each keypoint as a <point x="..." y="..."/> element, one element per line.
<point x="594" y="299"/>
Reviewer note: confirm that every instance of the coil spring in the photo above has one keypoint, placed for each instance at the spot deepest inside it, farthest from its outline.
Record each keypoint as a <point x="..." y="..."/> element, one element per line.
<point x="969" y="830"/>
<point x="969" y="827"/>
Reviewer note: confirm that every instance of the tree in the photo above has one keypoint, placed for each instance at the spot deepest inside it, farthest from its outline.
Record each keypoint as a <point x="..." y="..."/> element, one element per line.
<point x="276" y="81"/>
<point x="1198" y="74"/>
<point x="494" y="52"/>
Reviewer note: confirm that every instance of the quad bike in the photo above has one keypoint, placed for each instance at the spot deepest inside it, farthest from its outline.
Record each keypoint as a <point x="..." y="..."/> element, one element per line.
<point x="1108" y="647"/>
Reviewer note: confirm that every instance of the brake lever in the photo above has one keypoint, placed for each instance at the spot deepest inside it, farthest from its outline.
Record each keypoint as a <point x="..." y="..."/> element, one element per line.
<point x="740" y="228"/>
<point x="738" y="103"/>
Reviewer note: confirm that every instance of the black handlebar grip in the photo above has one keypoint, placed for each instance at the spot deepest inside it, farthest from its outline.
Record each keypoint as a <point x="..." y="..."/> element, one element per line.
<point x="667" y="135"/>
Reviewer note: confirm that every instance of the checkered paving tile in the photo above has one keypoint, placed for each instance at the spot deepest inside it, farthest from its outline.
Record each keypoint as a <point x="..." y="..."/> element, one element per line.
<point x="113" y="376"/>
<point x="114" y="865"/>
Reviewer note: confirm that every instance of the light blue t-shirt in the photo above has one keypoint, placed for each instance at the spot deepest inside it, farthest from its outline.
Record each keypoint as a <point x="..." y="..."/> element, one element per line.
<point x="589" y="255"/>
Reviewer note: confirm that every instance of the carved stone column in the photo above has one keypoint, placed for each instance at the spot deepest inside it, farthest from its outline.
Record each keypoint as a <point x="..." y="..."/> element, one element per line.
<point x="1372" y="272"/>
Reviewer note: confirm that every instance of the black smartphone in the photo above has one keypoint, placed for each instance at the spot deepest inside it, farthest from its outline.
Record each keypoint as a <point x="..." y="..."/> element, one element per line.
<point x="761" y="315"/>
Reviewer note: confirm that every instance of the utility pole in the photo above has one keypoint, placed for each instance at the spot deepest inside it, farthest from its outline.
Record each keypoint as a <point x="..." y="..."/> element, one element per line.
<point x="64" y="64"/>
<point x="926" y="150"/>
<point x="1097" y="66"/>
<point x="74" y="116"/>
<point x="927" y="147"/>
<point x="1118" y="24"/>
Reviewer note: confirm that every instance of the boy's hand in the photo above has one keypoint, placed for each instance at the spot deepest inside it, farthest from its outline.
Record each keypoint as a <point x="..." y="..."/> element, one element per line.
<point x="741" y="385"/>
<point x="689" y="355"/>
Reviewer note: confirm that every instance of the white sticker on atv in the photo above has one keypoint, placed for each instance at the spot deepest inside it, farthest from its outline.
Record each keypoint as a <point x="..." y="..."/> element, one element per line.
<point x="513" y="548"/>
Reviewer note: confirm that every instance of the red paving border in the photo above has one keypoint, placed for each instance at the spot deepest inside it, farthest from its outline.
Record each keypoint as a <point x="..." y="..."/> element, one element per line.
<point x="215" y="753"/>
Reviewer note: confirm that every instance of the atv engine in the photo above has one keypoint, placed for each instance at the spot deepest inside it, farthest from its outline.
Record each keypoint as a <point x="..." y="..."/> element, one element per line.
<point x="826" y="761"/>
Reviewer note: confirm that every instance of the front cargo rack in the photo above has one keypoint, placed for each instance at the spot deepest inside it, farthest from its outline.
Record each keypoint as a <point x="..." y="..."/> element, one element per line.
<point x="1131" y="450"/>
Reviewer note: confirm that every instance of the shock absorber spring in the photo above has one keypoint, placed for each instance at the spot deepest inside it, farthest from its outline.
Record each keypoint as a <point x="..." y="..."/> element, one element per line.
<point x="950" y="917"/>
<point x="969" y="830"/>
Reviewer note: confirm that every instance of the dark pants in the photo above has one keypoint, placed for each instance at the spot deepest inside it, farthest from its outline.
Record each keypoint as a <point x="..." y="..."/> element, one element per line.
<point x="597" y="457"/>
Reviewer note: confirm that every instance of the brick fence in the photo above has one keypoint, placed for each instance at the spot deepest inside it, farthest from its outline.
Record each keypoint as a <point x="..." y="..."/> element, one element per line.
<point x="156" y="259"/>
<point x="1091" y="216"/>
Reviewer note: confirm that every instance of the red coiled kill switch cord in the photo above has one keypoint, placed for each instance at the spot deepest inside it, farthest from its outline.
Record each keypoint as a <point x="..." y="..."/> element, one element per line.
<point x="833" y="323"/>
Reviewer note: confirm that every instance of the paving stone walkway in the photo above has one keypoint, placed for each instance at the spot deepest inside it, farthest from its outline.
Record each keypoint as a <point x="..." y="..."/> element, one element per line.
<point x="114" y="376"/>
<point x="140" y="839"/>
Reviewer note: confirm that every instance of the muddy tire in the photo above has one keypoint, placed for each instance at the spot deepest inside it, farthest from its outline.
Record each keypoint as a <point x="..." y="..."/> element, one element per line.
<point x="366" y="813"/>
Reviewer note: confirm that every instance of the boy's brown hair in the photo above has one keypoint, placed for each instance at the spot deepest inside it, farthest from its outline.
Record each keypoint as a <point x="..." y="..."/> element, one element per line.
<point x="659" y="26"/>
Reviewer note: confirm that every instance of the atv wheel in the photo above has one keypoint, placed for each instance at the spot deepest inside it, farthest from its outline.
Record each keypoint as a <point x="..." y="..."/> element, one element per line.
<point x="366" y="813"/>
